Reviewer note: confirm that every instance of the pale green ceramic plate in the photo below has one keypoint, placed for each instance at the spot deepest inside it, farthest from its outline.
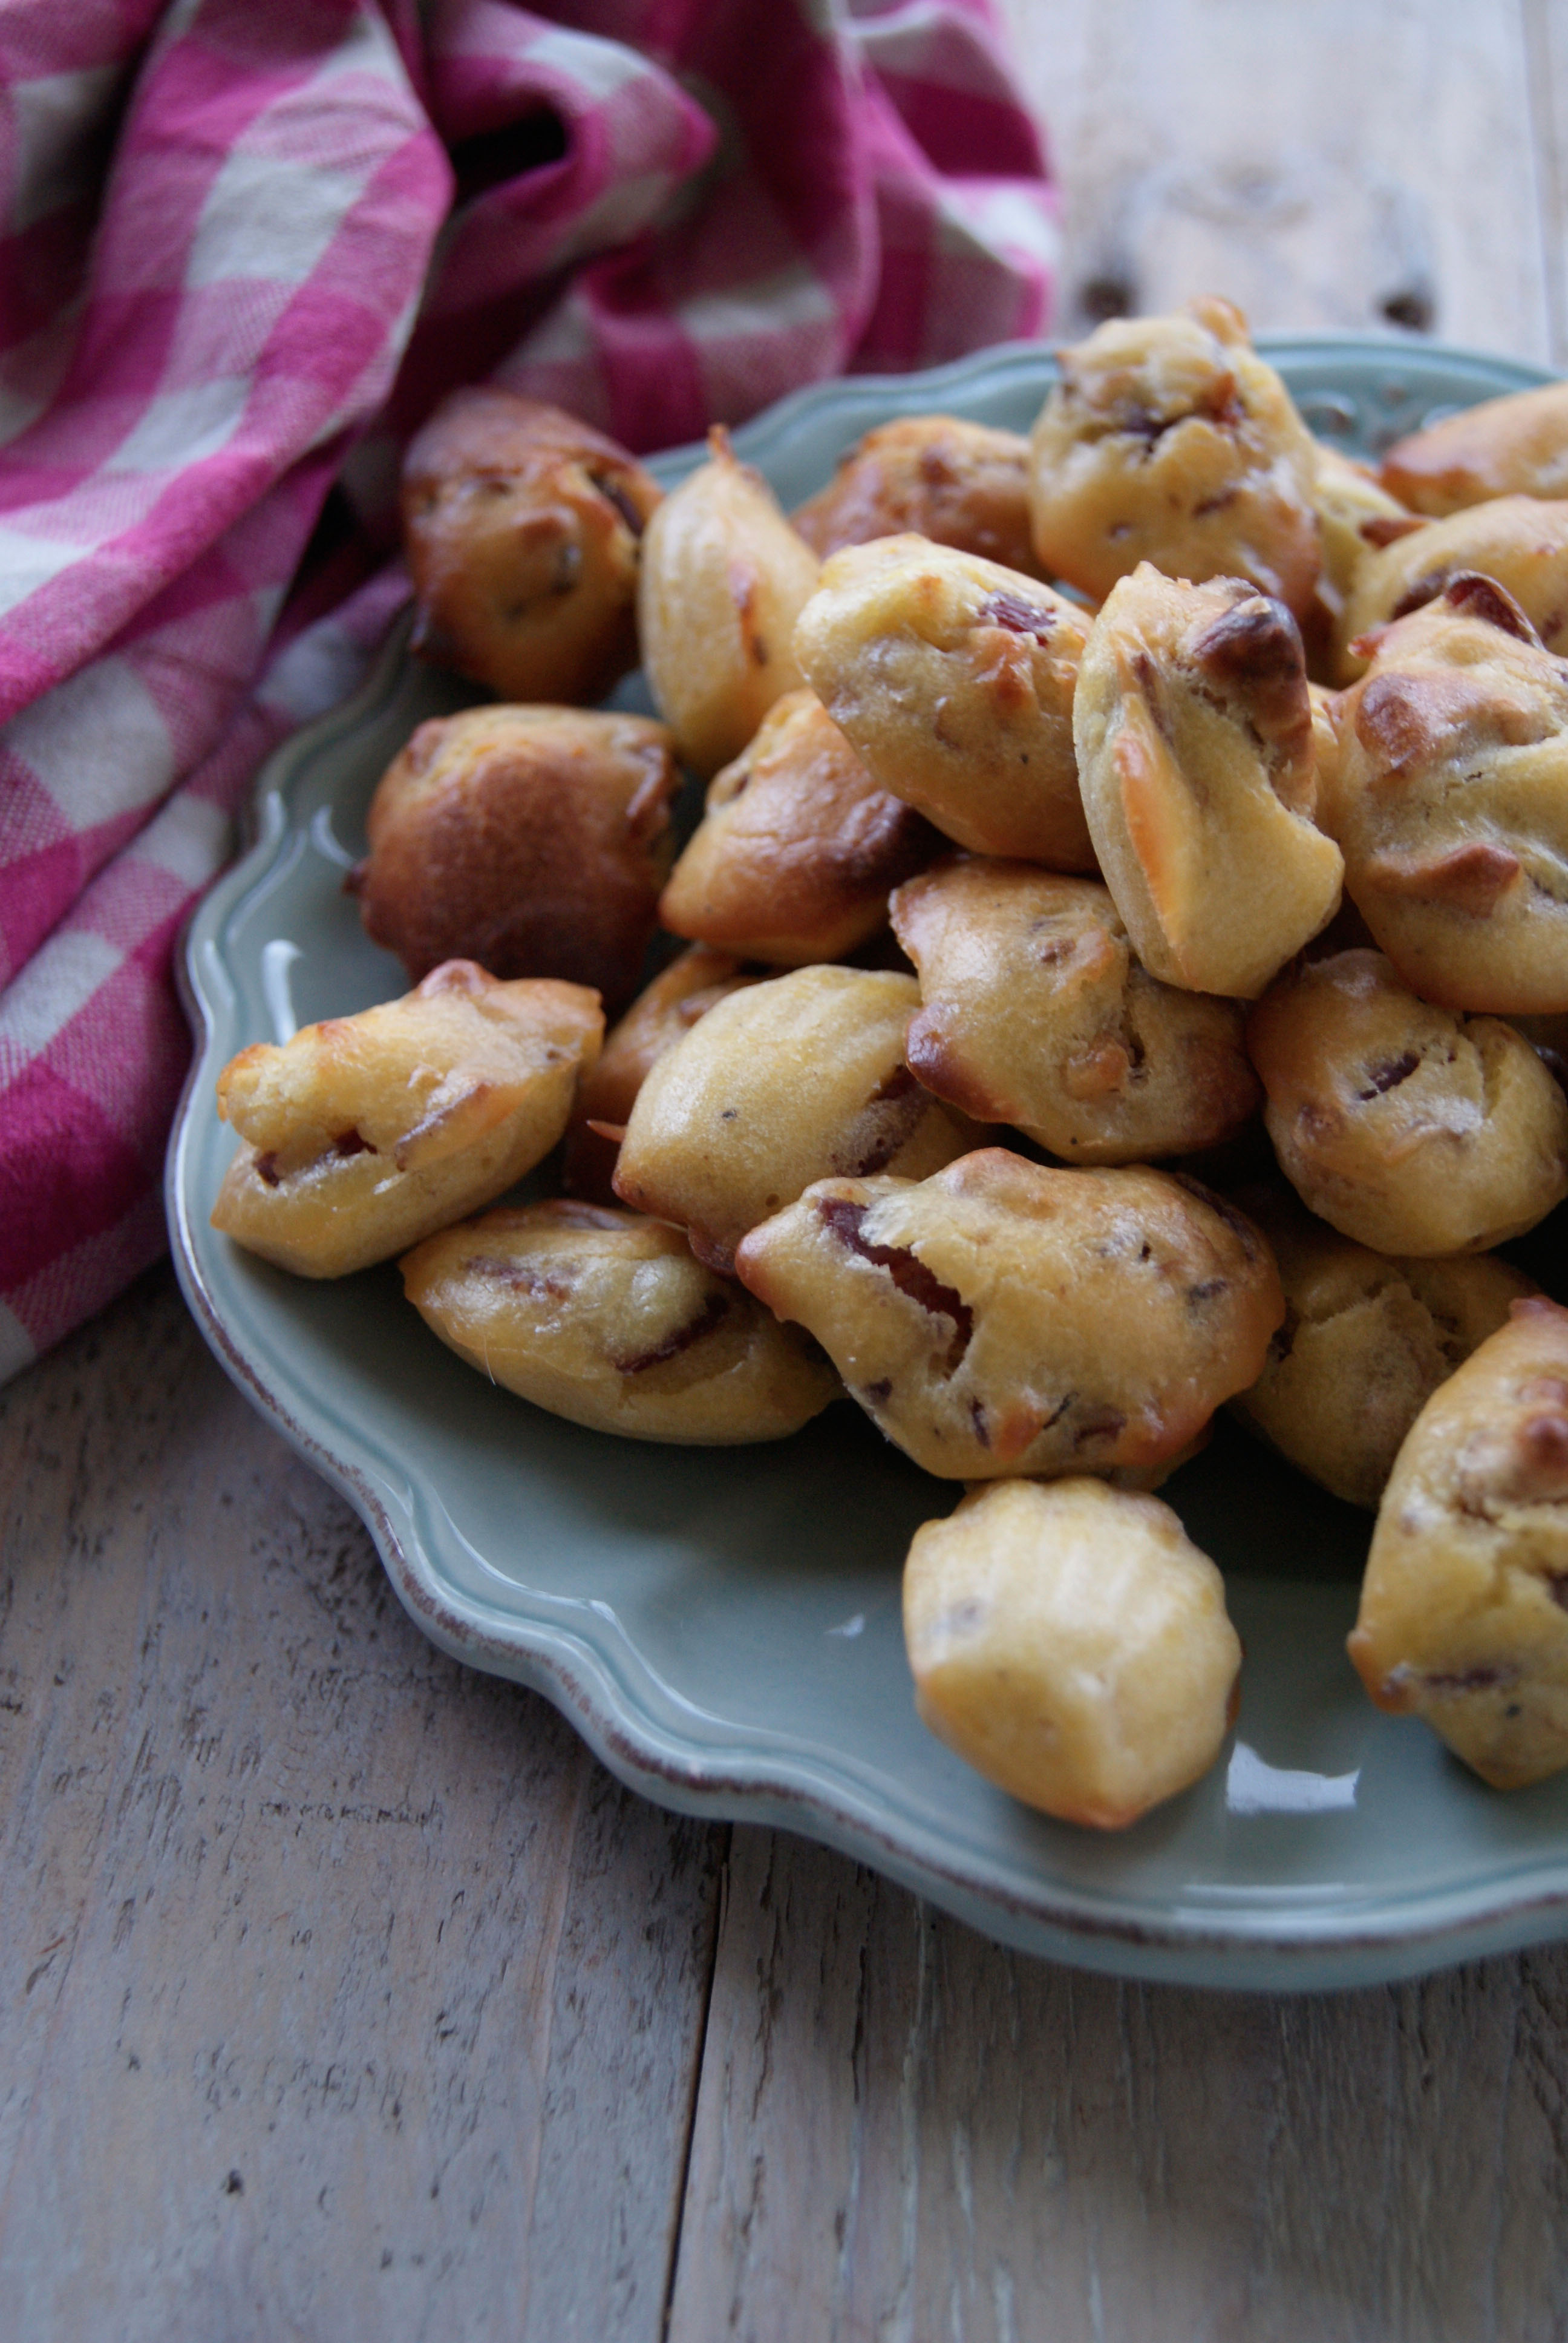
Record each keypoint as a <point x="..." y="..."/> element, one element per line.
<point x="722" y="1626"/>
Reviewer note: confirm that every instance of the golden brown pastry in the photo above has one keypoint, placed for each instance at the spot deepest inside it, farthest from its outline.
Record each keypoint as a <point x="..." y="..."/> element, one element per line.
<point x="663" y="1011"/>
<point x="957" y="483"/>
<point x="1036" y="1012"/>
<point x="1194" y="733"/>
<point x="1519" y="542"/>
<point x="1168" y="439"/>
<point x="1367" y="1339"/>
<point x="364" y="1133"/>
<point x="723" y="579"/>
<point x="954" y="678"/>
<point x="1463" y="1620"/>
<point x="1357" y="517"/>
<point x="1072" y="1645"/>
<point x="606" y="1319"/>
<point x="1404" y="1126"/>
<point x="1004" y="1317"/>
<point x="798" y="846"/>
<point x="1450" y="800"/>
<point x="1513" y="446"/>
<point x="534" y="841"/>
<point x="522" y="527"/>
<point x="786" y="1082"/>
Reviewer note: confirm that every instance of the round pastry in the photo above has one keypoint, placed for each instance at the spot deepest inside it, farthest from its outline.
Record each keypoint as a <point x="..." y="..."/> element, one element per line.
<point x="1519" y="542"/>
<point x="1449" y="800"/>
<point x="1194" y="734"/>
<point x="954" y="678"/>
<point x="522" y="526"/>
<point x="797" y="848"/>
<point x="1357" y="517"/>
<point x="1035" y="1013"/>
<point x="1462" y="1619"/>
<point x="930" y="476"/>
<point x="1168" y="439"/>
<point x="1513" y="446"/>
<point x="1366" y="1340"/>
<point x="724" y="577"/>
<point x="606" y="1319"/>
<point x="532" y="840"/>
<point x="1072" y="1645"/>
<point x="364" y="1133"/>
<point x="789" y="1081"/>
<point x="1404" y="1126"/>
<point x="1003" y="1317"/>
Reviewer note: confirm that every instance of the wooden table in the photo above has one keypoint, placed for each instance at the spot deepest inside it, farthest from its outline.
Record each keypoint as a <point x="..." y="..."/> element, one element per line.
<point x="343" y="1996"/>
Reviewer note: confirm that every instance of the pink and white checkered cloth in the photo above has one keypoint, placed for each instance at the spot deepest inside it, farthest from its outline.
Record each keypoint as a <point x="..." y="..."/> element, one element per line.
<point x="243" y="250"/>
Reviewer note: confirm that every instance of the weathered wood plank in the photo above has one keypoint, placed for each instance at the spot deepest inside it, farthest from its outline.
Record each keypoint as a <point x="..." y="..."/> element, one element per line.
<point x="1546" y="52"/>
<point x="905" y="2132"/>
<point x="341" y="1992"/>
<point x="1337" y="165"/>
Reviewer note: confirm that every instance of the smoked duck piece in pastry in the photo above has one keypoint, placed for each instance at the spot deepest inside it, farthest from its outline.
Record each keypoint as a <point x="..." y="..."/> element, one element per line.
<point x="723" y="579"/>
<point x="798" y="846"/>
<point x="1003" y="1316"/>
<point x="534" y="841"/>
<point x="1072" y="1645"/>
<point x="1036" y="1012"/>
<point x="1462" y="1619"/>
<point x="954" y="678"/>
<point x="1367" y="1339"/>
<point x="1194" y="733"/>
<point x="1168" y="439"/>
<point x="522" y="527"/>
<point x="960" y="484"/>
<point x="365" y="1133"/>
<point x="1513" y="446"/>
<point x="662" y="1012"/>
<point x="1520" y="543"/>
<point x="789" y="1081"/>
<point x="606" y="1319"/>
<point x="1449" y="800"/>
<point x="1405" y="1126"/>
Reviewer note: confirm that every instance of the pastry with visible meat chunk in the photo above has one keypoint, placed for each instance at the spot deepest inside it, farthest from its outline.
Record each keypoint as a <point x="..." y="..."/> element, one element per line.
<point x="1036" y="1011"/>
<point x="606" y="1319"/>
<point x="1521" y="543"/>
<point x="1357" y="517"/>
<point x="959" y="484"/>
<point x="365" y="1133"/>
<point x="1512" y="446"/>
<point x="1004" y="1317"/>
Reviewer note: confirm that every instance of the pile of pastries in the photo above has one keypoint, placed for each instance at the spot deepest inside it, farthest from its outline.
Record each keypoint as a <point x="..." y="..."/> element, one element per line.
<point x="1121" y="971"/>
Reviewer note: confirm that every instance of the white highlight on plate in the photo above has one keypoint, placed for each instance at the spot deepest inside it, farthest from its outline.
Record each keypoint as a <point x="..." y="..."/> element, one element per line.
<point x="850" y="1627"/>
<point x="1255" y="1788"/>
<point x="326" y="840"/>
<point x="277" y="958"/>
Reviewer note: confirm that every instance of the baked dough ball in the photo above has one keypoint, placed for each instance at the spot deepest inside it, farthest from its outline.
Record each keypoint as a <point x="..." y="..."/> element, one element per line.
<point x="1367" y="1339"/>
<point x="1513" y="446"/>
<point x="954" y="678"/>
<point x="1356" y="517"/>
<point x="1072" y="1644"/>
<point x="1404" y="1126"/>
<point x="1450" y="800"/>
<point x="364" y="1133"/>
<point x="1519" y="542"/>
<point x="798" y="846"/>
<point x="522" y="526"/>
<point x="1461" y="1615"/>
<point x="789" y="1081"/>
<point x="1195" y="755"/>
<point x="663" y="1011"/>
<point x="1004" y="1317"/>
<point x="1036" y="1012"/>
<point x="606" y="1319"/>
<point x="1168" y="439"/>
<point x="532" y="840"/>
<point x="957" y="483"/>
<point x="723" y="579"/>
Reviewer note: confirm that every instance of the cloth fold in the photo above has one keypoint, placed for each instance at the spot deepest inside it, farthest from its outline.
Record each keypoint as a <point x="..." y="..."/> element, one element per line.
<point x="242" y="252"/>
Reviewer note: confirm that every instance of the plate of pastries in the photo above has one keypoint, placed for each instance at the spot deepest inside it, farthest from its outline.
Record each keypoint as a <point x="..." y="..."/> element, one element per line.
<point x="892" y="1102"/>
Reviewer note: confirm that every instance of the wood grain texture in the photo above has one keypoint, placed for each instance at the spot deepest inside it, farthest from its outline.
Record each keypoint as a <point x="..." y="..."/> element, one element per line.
<point x="1546" y="64"/>
<point x="342" y="1993"/>
<point x="1339" y="164"/>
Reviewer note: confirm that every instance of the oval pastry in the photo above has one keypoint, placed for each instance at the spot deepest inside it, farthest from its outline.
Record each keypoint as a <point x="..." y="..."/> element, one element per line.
<point x="606" y="1319"/>
<point x="1520" y="543"/>
<point x="1514" y="445"/>
<point x="959" y="484"/>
